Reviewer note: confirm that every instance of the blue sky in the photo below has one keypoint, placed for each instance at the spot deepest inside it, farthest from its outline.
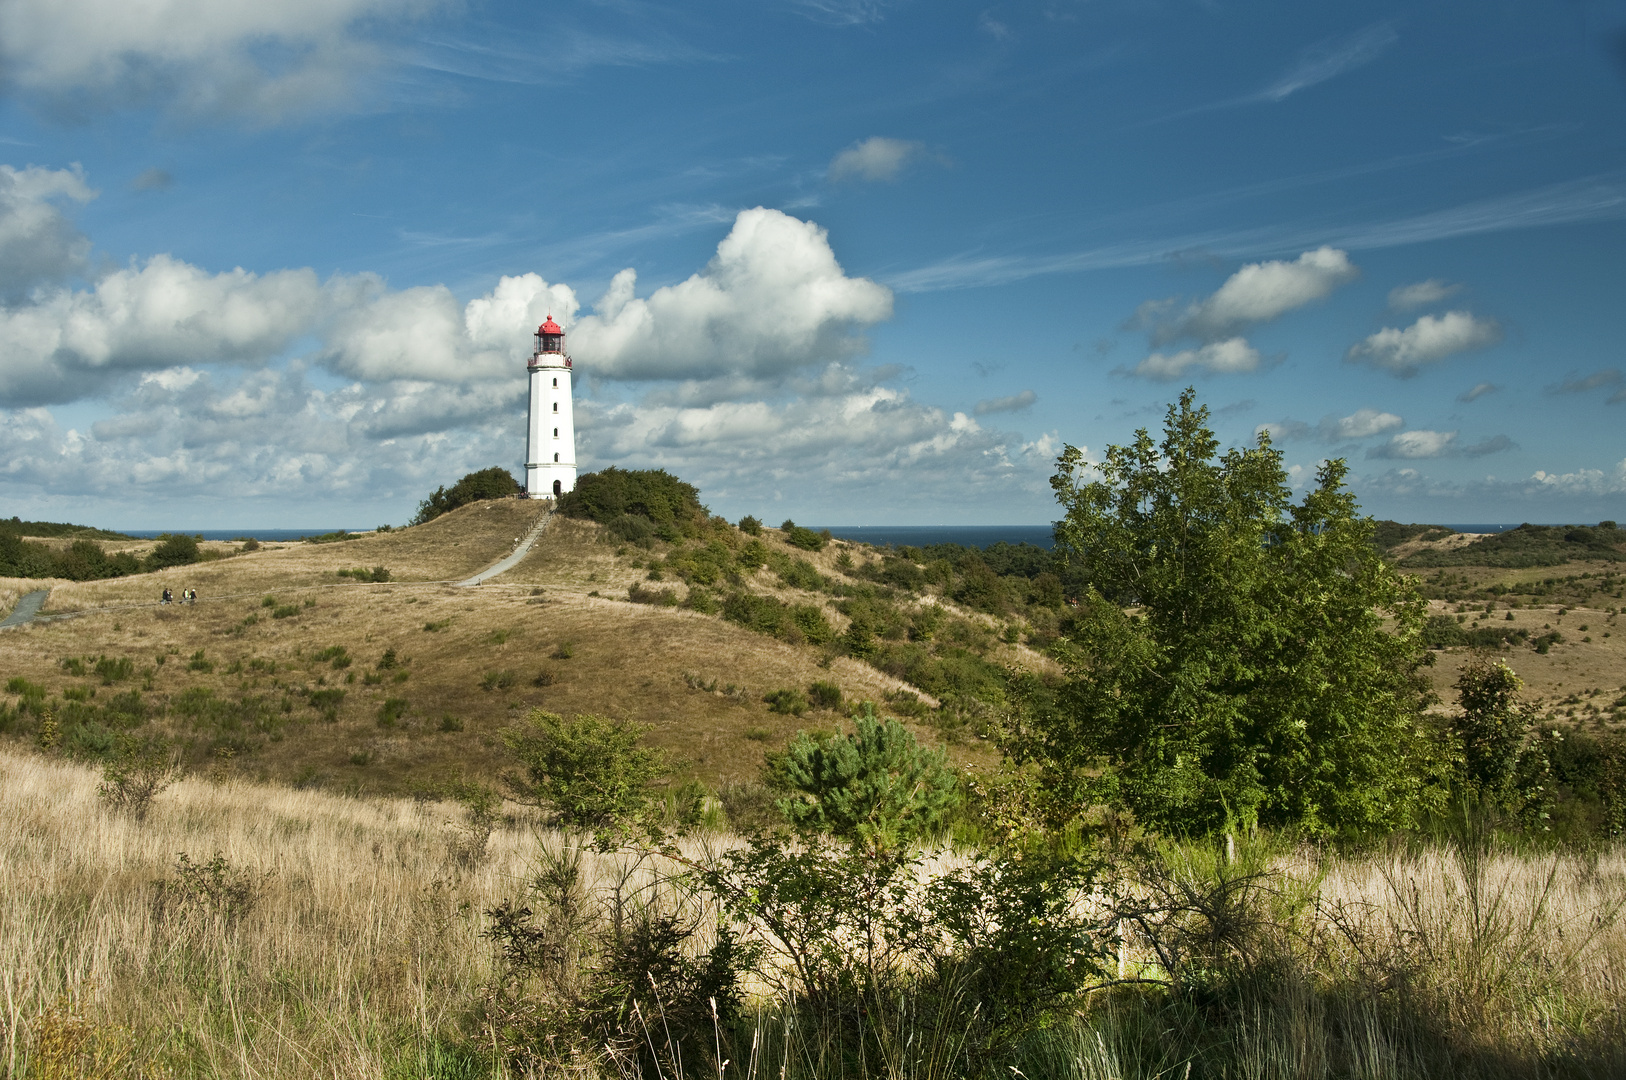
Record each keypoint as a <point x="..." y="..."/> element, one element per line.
<point x="850" y="261"/>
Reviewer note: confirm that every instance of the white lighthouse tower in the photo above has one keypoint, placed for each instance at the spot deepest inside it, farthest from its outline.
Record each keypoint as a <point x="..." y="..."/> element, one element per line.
<point x="550" y="443"/>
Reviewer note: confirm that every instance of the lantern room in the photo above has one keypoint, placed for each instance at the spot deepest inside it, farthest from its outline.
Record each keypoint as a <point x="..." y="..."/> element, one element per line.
<point x="550" y="338"/>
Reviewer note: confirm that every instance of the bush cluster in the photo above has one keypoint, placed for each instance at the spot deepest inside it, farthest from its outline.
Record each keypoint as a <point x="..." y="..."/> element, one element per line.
<point x="661" y="500"/>
<point x="493" y="483"/>
<point x="86" y="560"/>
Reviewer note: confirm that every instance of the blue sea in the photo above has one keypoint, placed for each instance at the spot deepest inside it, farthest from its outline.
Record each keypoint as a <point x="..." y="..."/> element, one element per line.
<point x="237" y="534"/>
<point x="978" y="536"/>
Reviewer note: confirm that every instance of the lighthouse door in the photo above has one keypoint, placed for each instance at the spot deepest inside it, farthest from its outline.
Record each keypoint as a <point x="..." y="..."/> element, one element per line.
<point x="558" y="487"/>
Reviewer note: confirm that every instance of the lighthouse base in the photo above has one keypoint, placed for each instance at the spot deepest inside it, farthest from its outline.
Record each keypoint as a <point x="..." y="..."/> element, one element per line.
<point x="548" y="479"/>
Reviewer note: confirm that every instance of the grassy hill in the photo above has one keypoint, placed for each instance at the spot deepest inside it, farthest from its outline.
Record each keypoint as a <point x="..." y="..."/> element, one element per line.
<point x="286" y="671"/>
<point x="295" y="667"/>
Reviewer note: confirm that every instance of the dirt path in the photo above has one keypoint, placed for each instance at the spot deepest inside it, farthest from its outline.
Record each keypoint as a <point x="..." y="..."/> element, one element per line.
<point x="513" y="560"/>
<point x="28" y="606"/>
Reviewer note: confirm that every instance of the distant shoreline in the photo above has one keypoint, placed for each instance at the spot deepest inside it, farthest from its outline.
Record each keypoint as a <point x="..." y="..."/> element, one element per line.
<point x="979" y="536"/>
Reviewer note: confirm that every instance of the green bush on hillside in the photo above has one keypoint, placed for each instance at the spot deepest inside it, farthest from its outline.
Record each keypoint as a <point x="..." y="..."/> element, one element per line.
<point x="653" y="494"/>
<point x="876" y="787"/>
<point x="493" y="483"/>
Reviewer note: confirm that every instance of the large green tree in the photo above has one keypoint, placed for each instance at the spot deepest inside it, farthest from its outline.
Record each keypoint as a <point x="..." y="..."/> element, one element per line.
<point x="1235" y="657"/>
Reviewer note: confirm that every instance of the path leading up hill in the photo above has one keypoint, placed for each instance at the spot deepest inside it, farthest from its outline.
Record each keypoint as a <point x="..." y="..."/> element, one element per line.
<point x="27" y="607"/>
<point x="514" y="558"/>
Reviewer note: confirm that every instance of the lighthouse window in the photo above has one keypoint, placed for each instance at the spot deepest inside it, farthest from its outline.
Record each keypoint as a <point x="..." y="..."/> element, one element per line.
<point x="556" y="384"/>
<point x="555" y="406"/>
<point x="556" y="457"/>
<point x="555" y="433"/>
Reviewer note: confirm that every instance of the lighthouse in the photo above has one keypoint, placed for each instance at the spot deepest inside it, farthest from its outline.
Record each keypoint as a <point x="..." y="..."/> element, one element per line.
<point x="550" y="442"/>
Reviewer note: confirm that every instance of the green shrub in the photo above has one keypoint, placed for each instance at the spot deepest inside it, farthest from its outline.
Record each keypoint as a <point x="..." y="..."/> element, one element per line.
<point x="652" y="494"/>
<point x="390" y="713"/>
<point x="493" y="483"/>
<point x="589" y="771"/>
<point x="806" y="539"/>
<point x="825" y="695"/>
<point x="750" y="526"/>
<point x="450" y="723"/>
<point x="285" y="611"/>
<point x="338" y="655"/>
<point x="498" y="680"/>
<point x="877" y="787"/>
<point x="114" y="669"/>
<point x="173" y="549"/>
<point x="328" y="699"/>
<point x="658" y="597"/>
<point x="138" y="773"/>
<point x="797" y="573"/>
<point x="787" y="702"/>
<point x="199" y="662"/>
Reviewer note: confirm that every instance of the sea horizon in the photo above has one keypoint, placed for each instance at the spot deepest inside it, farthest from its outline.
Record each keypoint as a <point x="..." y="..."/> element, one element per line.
<point x="979" y="536"/>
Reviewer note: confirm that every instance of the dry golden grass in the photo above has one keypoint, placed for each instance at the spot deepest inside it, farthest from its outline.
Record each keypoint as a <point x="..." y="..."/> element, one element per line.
<point x="363" y="942"/>
<point x="363" y="936"/>
<point x="1594" y="668"/>
<point x="627" y="660"/>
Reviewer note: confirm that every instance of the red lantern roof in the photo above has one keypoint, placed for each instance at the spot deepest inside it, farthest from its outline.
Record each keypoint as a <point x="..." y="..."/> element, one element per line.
<point x="550" y="327"/>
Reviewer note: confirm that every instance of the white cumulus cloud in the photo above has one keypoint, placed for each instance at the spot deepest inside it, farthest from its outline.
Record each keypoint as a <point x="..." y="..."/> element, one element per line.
<point x="1361" y="424"/>
<point x="422" y="333"/>
<point x="1416" y="444"/>
<point x="64" y="343"/>
<point x="1427" y="341"/>
<point x="1421" y="294"/>
<point x="269" y="59"/>
<point x="1256" y="293"/>
<point x="37" y="241"/>
<point x="1437" y="444"/>
<point x="773" y="300"/>
<point x="875" y="158"/>
<point x="1220" y="357"/>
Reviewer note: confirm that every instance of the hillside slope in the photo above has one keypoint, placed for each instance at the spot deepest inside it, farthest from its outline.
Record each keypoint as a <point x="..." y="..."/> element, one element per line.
<point x="284" y="671"/>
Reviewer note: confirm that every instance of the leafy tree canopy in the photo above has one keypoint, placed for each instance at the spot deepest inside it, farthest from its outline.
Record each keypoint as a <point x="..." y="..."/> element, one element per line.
<point x="493" y="483"/>
<point x="877" y="787"/>
<point x="1234" y="657"/>
<point x="652" y="493"/>
<point x="174" y="549"/>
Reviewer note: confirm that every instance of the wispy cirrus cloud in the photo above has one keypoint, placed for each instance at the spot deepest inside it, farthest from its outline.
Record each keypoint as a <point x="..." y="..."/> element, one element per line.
<point x="1421" y="294"/>
<point x="1329" y="59"/>
<point x="842" y="12"/>
<point x="1318" y="63"/>
<point x="1014" y="403"/>
<point x="1607" y="379"/>
<point x="1595" y="198"/>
